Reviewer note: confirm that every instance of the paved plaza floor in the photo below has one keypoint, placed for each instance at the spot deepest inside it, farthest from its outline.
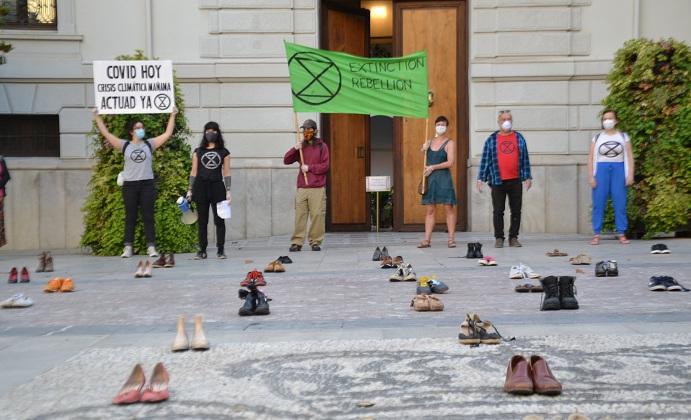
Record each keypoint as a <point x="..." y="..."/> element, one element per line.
<point x="341" y="340"/>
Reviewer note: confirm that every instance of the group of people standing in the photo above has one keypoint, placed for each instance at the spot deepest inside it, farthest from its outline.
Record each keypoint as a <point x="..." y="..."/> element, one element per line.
<point x="505" y="167"/>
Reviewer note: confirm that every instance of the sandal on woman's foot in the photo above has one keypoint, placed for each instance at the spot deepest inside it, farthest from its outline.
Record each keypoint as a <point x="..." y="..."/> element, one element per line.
<point x="623" y="240"/>
<point x="595" y="240"/>
<point x="425" y="244"/>
<point x="451" y="243"/>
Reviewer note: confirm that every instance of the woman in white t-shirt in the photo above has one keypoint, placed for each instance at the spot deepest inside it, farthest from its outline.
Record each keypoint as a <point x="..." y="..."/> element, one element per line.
<point x="611" y="167"/>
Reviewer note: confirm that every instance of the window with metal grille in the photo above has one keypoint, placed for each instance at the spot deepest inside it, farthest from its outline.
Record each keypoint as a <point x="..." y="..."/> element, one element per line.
<point x="30" y="135"/>
<point x="31" y="14"/>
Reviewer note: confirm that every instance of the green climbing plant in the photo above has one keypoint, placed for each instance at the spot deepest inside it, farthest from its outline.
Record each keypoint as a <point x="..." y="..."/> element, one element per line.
<point x="4" y="46"/>
<point x="650" y="88"/>
<point x="104" y="212"/>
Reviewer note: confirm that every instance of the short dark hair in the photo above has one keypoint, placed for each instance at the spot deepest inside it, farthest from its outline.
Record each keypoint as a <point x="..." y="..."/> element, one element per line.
<point x="212" y="125"/>
<point x="606" y="110"/>
<point x="440" y="119"/>
<point x="129" y="125"/>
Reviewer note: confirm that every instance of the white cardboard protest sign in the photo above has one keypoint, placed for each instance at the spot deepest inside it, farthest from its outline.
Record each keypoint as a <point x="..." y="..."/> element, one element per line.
<point x="134" y="87"/>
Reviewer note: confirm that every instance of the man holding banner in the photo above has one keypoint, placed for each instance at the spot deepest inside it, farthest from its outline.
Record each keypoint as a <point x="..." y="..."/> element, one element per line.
<point x="310" y="198"/>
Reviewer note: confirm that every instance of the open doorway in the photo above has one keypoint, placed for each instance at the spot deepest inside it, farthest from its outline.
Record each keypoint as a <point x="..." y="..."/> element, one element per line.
<point x="381" y="127"/>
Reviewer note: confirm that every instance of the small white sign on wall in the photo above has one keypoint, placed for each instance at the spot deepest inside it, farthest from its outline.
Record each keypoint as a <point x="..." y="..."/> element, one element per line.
<point x="377" y="183"/>
<point x="134" y="87"/>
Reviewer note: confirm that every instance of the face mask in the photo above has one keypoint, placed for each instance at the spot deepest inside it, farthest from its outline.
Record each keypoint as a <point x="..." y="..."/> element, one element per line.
<point x="140" y="133"/>
<point x="506" y="125"/>
<point x="441" y="129"/>
<point x="211" y="136"/>
<point x="608" y="124"/>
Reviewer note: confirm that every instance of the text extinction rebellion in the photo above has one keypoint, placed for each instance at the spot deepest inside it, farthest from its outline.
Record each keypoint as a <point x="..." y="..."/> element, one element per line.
<point x="128" y="87"/>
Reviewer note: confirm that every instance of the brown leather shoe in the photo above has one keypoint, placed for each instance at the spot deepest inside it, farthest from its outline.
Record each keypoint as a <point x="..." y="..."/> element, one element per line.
<point x="514" y="242"/>
<point x="518" y="379"/>
<point x="499" y="243"/>
<point x="544" y="382"/>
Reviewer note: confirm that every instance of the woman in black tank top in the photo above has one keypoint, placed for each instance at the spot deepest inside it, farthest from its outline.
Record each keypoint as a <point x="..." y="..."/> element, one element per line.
<point x="209" y="185"/>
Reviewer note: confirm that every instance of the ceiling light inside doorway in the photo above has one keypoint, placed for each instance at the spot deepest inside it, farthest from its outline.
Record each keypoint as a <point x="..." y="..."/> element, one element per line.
<point x="379" y="12"/>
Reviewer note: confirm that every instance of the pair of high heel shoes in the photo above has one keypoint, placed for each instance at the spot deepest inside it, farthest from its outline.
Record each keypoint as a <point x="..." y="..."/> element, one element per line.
<point x="133" y="391"/>
<point x="199" y="341"/>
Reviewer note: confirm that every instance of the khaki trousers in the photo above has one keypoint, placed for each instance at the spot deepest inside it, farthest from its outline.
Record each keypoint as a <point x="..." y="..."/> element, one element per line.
<point x="312" y="202"/>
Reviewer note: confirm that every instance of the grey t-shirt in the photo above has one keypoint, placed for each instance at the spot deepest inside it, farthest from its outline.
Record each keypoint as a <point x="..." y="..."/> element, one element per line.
<point x="138" y="161"/>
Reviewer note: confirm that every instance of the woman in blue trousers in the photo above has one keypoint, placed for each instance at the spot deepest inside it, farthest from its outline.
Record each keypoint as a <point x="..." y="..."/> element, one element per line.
<point x="611" y="168"/>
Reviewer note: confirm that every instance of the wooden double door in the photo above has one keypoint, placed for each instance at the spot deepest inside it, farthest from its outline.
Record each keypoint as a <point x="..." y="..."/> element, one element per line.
<point x="439" y="28"/>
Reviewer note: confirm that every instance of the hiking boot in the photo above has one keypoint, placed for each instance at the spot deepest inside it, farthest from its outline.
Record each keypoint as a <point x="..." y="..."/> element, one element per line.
<point x="169" y="261"/>
<point x="567" y="292"/>
<point x="499" y="243"/>
<point x="220" y="254"/>
<point x="478" y="250"/>
<point x="513" y="242"/>
<point x="201" y="255"/>
<point x="471" y="250"/>
<point x="399" y="275"/>
<point x="127" y="252"/>
<point x="295" y="248"/>
<point x="49" y="263"/>
<point x="160" y="262"/>
<point x="262" y="304"/>
<point x="250" y="303"/>
<point x="41" y="262"/>
<point x="377" y="254"/>
<point x="550" y="294"/>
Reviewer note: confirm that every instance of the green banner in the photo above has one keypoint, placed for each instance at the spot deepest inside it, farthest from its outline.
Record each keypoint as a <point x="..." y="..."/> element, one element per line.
<point x="334" y="82"/>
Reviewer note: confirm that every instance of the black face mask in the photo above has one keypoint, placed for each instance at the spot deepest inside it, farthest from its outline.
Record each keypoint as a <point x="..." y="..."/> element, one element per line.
<point x="211" y="136"/>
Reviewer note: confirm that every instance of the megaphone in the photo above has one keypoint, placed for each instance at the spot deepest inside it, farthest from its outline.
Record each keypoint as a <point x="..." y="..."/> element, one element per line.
<point x="189" y="216"/>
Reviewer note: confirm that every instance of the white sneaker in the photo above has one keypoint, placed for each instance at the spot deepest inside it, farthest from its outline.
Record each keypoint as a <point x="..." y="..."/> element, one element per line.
<point x="127" y="252"/>
<point x="152" y="252"/>
<point x="17" y="301"/>
<point x="399" y="275"/>
<point x="528" y="272"/>
<point x="516" y="272"/>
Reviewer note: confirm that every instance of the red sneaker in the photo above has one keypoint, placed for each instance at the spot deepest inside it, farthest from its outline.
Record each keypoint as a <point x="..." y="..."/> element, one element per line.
<point x="24" y="276"/>
<point x="255" y="277"/>
<point x="13" y="275"/>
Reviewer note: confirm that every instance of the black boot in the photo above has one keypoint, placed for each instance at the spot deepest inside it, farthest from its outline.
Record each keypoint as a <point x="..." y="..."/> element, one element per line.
<point x="262" y="304"/>
<point x="250" y="303"/>
<point x="567" y="292"/>
<point x="478" y="250"/>
<point x="471" y="250"/>
<point x="550" y="294"/>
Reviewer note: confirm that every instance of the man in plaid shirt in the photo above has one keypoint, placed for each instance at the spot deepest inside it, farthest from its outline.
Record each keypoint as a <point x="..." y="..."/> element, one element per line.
<point x="504" y="166"/>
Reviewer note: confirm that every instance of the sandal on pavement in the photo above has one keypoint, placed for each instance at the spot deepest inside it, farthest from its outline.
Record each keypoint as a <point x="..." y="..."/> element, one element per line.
<point x="451" y="243"/>
<point x="595" y="240"/>
<point x="425" y="244"/>
<point x="623" y="240"/>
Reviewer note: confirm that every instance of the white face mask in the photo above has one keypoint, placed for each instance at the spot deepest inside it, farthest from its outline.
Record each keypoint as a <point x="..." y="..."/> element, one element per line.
<point x="608" y="124"/>
<point x="506" y="125"/>
<point x="441" y="129"/>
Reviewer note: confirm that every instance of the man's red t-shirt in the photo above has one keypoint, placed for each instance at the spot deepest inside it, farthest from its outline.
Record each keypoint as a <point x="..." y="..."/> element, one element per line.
<point x="507" y="156"/>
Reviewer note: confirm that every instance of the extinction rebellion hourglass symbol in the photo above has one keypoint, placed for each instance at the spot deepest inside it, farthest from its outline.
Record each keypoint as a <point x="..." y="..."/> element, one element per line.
<point x="138" y="156"/>
<point x="323" y="78"/>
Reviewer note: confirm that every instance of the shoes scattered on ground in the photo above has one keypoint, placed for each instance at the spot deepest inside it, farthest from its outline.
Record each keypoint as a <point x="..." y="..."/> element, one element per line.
<point x="428" y="285"/>
<point x="665" y="283"/>
<point x="525" y="377"/>
<point x="474" y="331"/>
<point x="556" y="253"/>
<point x="659" y="249"/>
<point x="144" y="269"/>
<point x="59" y="284"/>
<point x="284" y="259"/>
<point x="255" y="278"/>
<point x="487" y="261"/>
<point x="274" y="267"/>
<point x="558" y="293"/>
<point x="580" y="259"/>
<point x="426" y="303"/>
<point x="387" y="262"/>
<point x="474" y="250"/>
<point x="438" y="286"/>
<point x="133" y="390"/>
<point x="423" y="287"/>
<point x="17" y="301"/>
<point x="379" y="254"/>
<point x="608" y="268"/>
<point x="513" y="242"/>
<point x="165" y="260"/>
<point x="404" y="272"/>
<point x="199" y="341"/>
<point x="522" y="271"/>
<point x="256" y="302"/>
<point x="21" y="276"/>
<point x="45" y="262"/>
<point x="529" y="288"/>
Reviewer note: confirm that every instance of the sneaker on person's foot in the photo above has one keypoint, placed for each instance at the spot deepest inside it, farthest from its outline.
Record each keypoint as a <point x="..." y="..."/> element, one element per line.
<point x="151" y="250"/>
<point x="127" y="252"/>
<point x="201" y="255"/>
<point x="295" y="248"/>
<point x="513" y="242"/>
<point x="316" y="247"/>
<point x="220" y="254"/>
<point x="499" y="243"/>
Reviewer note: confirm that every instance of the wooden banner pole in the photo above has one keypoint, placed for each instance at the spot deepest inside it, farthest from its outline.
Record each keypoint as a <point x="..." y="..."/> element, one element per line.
<point x="299" y="139"/>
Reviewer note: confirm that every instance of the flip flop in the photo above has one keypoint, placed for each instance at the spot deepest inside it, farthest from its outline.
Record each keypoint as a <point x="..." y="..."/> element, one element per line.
<point x="595" y="240"/>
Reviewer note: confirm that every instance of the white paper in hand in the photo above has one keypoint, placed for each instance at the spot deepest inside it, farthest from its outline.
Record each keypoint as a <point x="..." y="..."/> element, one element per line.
<point x="223" y="209"/>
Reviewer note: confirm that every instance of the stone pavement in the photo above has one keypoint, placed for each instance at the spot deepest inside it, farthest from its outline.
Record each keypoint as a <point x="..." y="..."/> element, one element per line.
<point x="339" y="333"/>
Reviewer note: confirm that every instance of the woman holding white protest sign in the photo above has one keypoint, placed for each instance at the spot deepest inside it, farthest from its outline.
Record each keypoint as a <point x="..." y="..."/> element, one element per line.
<point x="210" y="185"/>
<point x="138" y="190"/>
